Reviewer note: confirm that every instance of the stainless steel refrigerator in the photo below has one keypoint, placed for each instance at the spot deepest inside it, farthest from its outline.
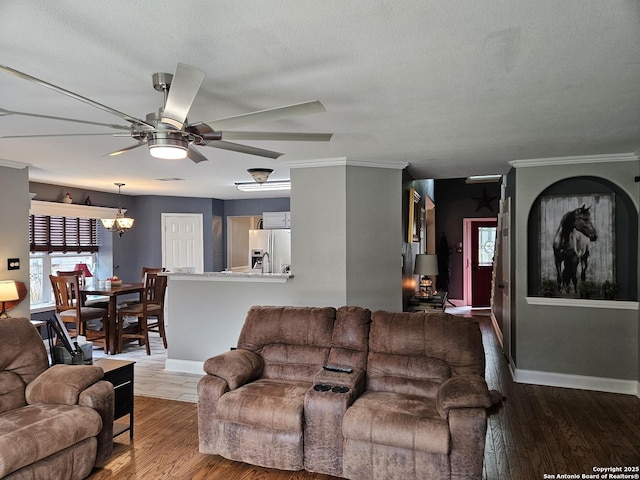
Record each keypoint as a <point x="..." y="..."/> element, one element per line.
<point x="276" y="243"/>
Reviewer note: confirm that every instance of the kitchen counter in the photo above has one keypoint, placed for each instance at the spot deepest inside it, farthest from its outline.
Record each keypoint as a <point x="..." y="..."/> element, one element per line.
<point x="229" y="276"/>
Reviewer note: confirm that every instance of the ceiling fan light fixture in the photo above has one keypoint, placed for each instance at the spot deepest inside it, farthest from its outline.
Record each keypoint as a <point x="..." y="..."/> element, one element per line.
<point x="167" y="147"/>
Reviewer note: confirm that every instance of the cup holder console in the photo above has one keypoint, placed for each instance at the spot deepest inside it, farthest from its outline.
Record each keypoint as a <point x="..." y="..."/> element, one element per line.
<point x="323" y="387"/>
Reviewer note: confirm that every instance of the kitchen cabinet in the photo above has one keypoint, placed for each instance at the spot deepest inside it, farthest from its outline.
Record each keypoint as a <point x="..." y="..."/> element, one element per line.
<point x="276" y="220"/>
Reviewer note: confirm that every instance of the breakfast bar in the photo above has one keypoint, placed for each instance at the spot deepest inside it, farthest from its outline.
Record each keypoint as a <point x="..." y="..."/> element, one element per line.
<point x="206" y="311"/>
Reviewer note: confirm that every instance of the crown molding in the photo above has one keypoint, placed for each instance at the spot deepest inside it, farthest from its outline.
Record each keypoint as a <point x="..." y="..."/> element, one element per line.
<point x="11" y="164"/>
<point x="343" y="162"/>
<point x="552" y="161"/>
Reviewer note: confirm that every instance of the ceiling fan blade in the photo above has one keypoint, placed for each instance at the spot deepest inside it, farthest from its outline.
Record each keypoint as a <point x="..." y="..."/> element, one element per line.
<point x="184" y="88"/>
<point x="278" y="136"/>
<point x="234" y="147"/>
<point x="196" y="156"/>
<point x="4" y="112"/>
<point x="58" y="135"/>
<point x="128" y="118"/>
<point x="123" y="150"/>
<point x="268" y="115"/>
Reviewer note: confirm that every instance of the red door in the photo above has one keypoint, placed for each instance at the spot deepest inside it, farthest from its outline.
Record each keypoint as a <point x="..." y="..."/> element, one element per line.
<point x="483" y="240"/>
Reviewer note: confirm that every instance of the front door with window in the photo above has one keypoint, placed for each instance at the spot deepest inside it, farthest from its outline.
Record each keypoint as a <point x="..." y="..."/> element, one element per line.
<point x="483" y="238"/>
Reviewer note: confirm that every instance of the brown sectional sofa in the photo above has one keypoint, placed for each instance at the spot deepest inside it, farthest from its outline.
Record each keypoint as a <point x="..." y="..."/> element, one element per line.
<point x="413" y="407"/>
<point x="55" y="423"/>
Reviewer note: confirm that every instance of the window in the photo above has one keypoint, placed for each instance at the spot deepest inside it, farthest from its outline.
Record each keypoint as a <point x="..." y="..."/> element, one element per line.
<point x="58" y="243"/>
<point x="48" y="233"/>
<point x="43" y="264"/>
<point x="486" y="245"/>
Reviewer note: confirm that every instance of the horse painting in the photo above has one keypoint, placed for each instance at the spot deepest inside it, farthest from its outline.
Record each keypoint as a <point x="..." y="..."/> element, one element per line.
<point x="570" y="247"/>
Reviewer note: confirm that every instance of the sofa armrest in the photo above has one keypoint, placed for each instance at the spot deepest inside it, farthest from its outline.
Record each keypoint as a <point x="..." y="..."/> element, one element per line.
<point x="62" y="384"/>
<point x="101" y="396"/>
<point x="462" y="391"/>
<point x="237" y="367"/>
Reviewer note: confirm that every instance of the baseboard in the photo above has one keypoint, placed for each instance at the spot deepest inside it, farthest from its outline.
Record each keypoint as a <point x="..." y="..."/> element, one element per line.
<point x="184" y="366"/>
<point x="580" y="382"/>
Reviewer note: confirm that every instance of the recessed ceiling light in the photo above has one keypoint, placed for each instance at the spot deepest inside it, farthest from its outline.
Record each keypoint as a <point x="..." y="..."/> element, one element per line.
<point x="170" y="179"/>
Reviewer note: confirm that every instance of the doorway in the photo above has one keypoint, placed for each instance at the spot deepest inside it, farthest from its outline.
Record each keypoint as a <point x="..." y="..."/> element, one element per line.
<point x="182" y="239"/>
<point x="480" y="241"/>
<point x="238" y="241"/>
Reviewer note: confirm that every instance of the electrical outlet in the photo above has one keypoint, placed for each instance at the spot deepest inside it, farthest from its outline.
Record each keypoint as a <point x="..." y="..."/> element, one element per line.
<point x="13" y="264"/>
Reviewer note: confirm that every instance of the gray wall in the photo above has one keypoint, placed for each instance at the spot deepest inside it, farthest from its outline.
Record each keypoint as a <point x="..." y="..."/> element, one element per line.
<point x="374" y="234"/>
<point x="576" y="340"/>
<point x="14" y="218"/>
<point x="346" y="240"/>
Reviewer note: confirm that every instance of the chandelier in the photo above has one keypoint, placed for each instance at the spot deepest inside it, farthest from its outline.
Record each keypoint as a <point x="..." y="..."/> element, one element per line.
<point x="121" y="223"/>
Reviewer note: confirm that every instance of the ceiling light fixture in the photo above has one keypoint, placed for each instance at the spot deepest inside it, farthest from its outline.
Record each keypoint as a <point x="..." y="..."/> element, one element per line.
<point x="167" y="146"/>
<point x="121" y="223"/>
<point x="264" y="186"/>
<point x="483" y="179"/>
<point x="260" y="175"/>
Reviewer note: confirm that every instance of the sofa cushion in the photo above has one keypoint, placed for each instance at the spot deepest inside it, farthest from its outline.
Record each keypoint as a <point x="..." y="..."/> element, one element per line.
<point x="456" y="340"/>
<point x="21" y="349"/>
<point x="417" y="375"/>
<point x="34" y="432"/>
<point x="266" y="403"/>
<point x="11" y="391"/>
<point x="293" y="362"/>
<point x="287" y="325"/>
<point x="397" y="420"/>
<point x="349" y="342"/>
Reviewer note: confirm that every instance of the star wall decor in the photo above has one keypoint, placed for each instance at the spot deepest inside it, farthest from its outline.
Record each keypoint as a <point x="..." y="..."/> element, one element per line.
<point x="484" y="201"/>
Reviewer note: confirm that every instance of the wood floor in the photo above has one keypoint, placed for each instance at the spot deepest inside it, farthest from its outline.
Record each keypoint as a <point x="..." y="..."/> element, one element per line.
<point x="537" y="431"/>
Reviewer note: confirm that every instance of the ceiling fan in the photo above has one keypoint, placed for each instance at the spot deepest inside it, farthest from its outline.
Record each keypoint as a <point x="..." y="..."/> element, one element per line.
<point x="169" y="135"/>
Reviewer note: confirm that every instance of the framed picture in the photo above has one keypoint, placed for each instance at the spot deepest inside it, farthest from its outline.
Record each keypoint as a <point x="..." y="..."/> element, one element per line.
<point x="577" y="244"/>
<point x="415" y="220"/>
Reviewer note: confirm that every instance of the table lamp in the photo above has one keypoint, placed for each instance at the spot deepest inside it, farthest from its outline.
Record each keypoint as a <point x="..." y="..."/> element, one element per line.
<point x="8" y="293"/>
<point x="85" y="269"/>
<point x="426" y="265"/>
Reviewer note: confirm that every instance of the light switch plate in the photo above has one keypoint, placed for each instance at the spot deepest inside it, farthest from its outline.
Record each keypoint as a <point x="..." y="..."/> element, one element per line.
<point x="13" y="264"/>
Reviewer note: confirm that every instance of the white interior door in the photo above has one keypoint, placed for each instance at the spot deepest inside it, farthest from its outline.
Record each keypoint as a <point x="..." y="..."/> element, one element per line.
<point x="182" y="241"/>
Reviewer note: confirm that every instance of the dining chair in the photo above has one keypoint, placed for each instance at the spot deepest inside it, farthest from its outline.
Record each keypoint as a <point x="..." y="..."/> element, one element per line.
<point x="70" y="306"/>
<point x="150" y="313"/>
<point x="146" y="270"/>
<point x="76" y="273"/>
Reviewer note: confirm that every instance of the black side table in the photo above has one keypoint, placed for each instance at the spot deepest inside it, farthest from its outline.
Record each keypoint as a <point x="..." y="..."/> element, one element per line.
<point x="120" y="374"/>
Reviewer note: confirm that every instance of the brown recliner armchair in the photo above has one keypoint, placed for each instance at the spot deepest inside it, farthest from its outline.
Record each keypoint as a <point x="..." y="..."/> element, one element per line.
<point x="55" y="423"/>
<point x="423" y="414"/>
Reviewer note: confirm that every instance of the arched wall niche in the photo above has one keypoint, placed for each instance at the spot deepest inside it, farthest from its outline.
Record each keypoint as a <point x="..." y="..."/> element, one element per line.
<point x="614" y="259"/>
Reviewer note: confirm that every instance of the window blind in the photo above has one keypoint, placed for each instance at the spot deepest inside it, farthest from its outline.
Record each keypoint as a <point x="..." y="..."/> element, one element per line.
<point x="49" y="233"/>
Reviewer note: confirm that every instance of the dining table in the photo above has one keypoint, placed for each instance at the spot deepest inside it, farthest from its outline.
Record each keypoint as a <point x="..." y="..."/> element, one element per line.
<point x="112" y="291"/>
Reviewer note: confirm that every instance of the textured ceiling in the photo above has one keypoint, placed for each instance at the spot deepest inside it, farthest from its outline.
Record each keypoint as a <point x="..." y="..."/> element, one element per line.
<point x="452" y="88"/>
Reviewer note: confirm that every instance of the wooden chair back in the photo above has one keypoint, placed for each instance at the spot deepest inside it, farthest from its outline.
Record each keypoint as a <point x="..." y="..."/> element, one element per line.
<point x="76" y="273"/>
<point x="66" y="289"/>
<point x="146" y="270"/>
<point x="154" y="290"/>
